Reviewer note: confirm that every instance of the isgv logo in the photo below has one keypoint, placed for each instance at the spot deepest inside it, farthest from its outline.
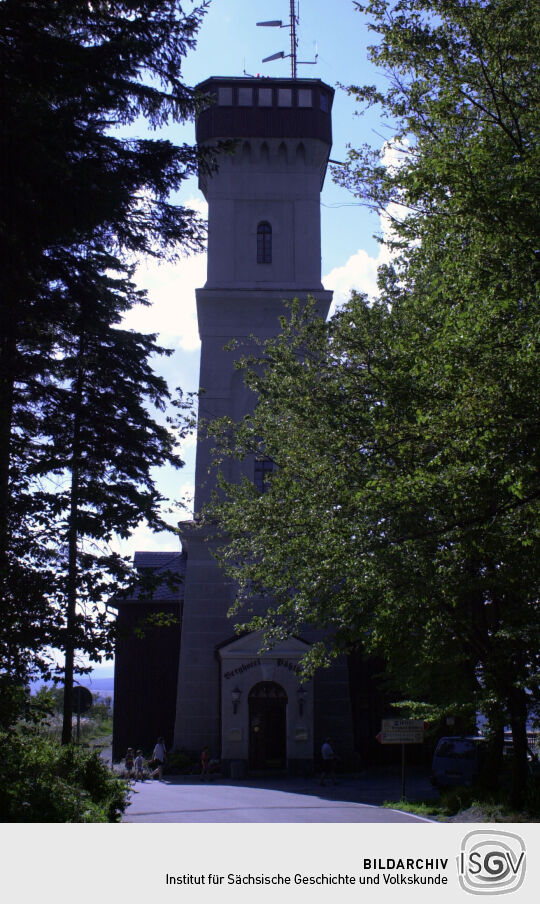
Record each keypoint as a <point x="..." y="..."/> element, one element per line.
<point x="491" y="863"/>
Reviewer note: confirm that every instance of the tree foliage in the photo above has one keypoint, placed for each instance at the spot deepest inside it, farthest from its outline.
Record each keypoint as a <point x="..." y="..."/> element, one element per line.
<point x="78" y="438"/>
<point x="404" y="510"/>
<point x="40" y="781"/>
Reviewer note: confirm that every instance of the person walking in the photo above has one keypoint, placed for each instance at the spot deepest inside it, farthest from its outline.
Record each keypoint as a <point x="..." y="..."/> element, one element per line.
<point x="329" y="762"/>
<point x="128" y="761"/>
<point x="205" y="763"/>
<point x="159" y="758"/>
<point x="139" y="766"/>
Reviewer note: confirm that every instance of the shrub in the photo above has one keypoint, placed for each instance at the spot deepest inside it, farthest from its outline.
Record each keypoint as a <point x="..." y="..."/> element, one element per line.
<point x="179" y="763"/>
<point x="455" y="799"/>
<point x="532" y="802"/>
<point x="41" y="781"/>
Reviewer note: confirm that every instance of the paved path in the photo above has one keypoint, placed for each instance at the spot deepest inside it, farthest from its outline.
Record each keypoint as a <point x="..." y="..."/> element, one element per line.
<point x="186" y="799"/>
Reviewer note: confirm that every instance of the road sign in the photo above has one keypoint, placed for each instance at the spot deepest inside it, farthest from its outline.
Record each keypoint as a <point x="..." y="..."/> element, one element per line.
<point x="82" y="699"/>
<point x="402" y="731"/>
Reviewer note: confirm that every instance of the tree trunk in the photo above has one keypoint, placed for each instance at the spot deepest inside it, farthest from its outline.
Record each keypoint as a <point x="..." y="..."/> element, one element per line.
<point x="69" y="647"/>
<point x="492" y="767"/>
<point x="7" y="369"/>
<point x="520" y="767"/>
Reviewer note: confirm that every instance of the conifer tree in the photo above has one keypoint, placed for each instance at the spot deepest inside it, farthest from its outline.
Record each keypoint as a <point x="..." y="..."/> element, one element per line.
<point x="99" y="441"/>
<point x="78" y="201"/>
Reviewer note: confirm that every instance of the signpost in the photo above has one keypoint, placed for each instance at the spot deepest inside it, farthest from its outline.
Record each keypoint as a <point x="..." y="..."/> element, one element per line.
<point x="401" y="731"/>
<point x="82" y="701"/>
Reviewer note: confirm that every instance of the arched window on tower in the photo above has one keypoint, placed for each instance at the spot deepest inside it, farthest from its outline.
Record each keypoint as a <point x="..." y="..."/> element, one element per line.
<point x="264" y="468"/>
<point x="264" y="243"/>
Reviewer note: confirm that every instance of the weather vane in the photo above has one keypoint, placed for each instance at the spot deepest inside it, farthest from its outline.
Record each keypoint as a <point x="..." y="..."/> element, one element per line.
<point x="291" y="25"/>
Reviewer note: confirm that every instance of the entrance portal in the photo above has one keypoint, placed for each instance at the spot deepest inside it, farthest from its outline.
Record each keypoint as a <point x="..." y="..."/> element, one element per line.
<point x="267" y="726"/>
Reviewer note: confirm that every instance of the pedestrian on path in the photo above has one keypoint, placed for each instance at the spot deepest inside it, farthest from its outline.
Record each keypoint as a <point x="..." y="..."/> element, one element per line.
<point x="329" y="762"/>
<point x="159" y="758"/>
<point x="128" y="761"/>
<point x="139" y="766"/>
<point x="205" y="763"/>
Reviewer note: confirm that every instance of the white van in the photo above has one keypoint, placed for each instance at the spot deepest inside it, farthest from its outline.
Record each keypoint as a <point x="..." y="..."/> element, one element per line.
<point x="457" y="761"/>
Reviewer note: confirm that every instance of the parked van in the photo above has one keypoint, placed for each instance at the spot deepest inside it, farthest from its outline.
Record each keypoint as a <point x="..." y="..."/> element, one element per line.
<point x="457" y="761"/>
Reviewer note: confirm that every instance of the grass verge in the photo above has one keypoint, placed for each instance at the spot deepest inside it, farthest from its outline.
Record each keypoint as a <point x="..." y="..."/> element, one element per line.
<point x="471" y="805"/>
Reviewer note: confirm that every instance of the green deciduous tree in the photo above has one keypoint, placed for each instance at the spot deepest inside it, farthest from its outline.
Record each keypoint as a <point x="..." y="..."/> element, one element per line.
<point x="404" y="510"/>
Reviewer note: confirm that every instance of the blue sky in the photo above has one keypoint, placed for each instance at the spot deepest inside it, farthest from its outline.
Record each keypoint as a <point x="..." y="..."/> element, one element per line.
<point x="230" y="43"/>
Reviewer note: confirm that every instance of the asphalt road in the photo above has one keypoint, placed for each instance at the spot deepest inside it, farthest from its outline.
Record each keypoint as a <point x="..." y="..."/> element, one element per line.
<point x="188" y="800"/>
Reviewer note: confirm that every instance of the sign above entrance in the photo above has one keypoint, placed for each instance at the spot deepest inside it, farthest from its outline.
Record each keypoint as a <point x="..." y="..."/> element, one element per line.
<point x="242" y="668"/>
<point x="246" y="666"/>
<point x="401" y="731"/>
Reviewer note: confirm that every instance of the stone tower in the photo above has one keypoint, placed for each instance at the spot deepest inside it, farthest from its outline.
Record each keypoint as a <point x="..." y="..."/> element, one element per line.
<point x="264" y="246"/>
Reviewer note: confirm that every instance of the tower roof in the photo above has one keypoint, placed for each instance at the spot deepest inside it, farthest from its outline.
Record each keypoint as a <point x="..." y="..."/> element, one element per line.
<point x="265" y="108"/>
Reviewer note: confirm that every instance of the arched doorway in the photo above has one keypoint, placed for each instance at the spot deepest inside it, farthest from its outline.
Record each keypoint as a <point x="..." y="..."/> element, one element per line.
<point x="267" y="726"/>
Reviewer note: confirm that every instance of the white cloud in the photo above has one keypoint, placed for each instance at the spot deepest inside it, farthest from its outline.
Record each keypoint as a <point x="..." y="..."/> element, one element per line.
<point x="186" y="494"/>
<point x="358" y="273"/>
<point x="171" y="293"/>
<point x="394" y="156"/>
<point x="144" y="539"/>
<point x="188" y="442"/>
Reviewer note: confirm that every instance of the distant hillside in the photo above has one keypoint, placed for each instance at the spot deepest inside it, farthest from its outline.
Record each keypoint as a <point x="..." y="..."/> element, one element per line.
<point x="102" y="686"/>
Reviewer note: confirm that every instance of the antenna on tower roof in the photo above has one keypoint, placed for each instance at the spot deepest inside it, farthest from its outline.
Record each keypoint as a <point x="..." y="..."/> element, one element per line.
<point x="291" y="25"/>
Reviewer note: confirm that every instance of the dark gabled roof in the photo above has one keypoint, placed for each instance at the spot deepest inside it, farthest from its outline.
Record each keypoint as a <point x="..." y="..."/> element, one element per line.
<point x="174" y="561"/>
<point x="172" y="565"/>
